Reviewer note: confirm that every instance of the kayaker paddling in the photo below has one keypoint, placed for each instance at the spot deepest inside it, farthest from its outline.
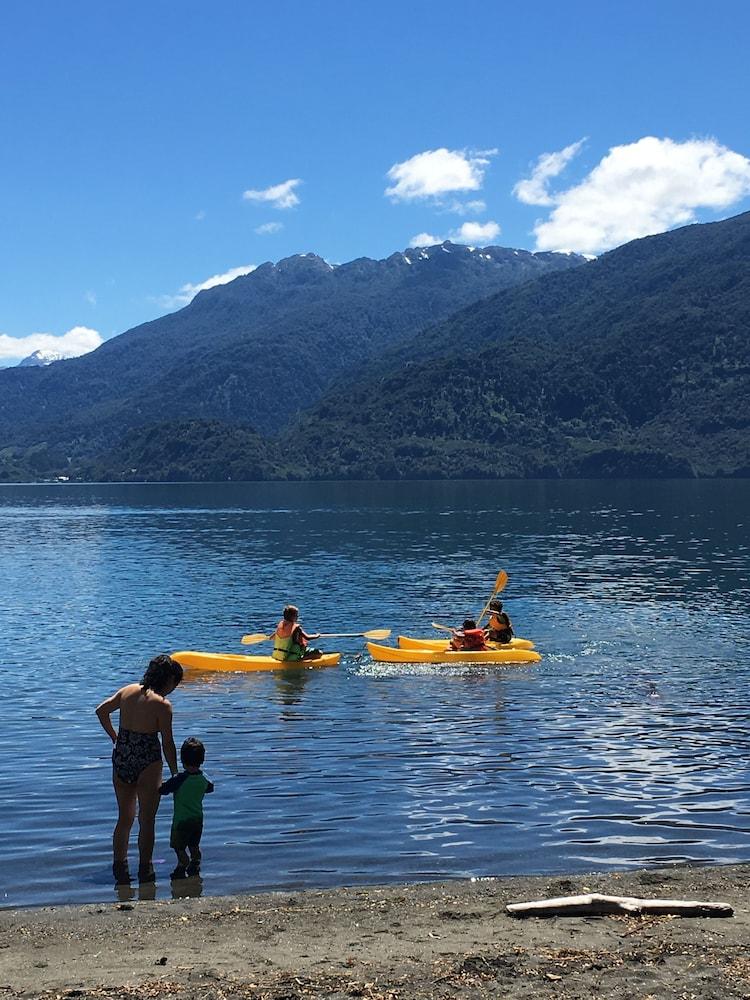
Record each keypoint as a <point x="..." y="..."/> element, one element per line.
<point x="499" y="627"/>
<point x="290" y="641"/>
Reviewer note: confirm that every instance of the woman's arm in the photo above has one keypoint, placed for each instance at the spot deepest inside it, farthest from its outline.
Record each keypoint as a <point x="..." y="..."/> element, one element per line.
<point x="106" y="709"/>
<point x="167" y="740"/>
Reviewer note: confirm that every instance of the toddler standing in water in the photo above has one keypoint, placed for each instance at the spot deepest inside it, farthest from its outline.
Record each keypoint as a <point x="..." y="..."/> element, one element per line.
<point x="188" y="788"/>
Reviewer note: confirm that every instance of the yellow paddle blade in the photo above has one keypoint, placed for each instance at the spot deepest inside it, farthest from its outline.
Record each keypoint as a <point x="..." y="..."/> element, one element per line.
<point x="377" y="633"/>
<point x="500" y="583"/>
<point x="250" y="640"/>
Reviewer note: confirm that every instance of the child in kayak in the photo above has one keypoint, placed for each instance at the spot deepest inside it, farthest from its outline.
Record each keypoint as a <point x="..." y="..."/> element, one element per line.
<point x="499" y="627"/>
<point x="188" y="788"/>
<point x="290" y="639"/>
<point x="468" y="636"/>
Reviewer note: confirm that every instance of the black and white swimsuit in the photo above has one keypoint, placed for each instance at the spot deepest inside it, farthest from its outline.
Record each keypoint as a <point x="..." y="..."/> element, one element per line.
<point x="133" y="752"/>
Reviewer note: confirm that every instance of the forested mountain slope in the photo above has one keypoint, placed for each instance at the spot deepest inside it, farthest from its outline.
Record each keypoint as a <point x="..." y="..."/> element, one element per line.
<point x="250" y="352"/>
<point x="638" y="364"/>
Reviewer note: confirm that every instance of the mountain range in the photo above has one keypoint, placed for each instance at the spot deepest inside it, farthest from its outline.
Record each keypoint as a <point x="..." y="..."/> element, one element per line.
<point x="444" y="362"/>
<point x="636" y="365"/>
<point x="252" y="352"/>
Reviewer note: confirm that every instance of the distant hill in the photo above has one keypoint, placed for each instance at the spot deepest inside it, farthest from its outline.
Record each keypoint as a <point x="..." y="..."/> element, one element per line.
<point x="638" y="364"/>
<point x="252" y="352"/>
<point x="190" y="451"/>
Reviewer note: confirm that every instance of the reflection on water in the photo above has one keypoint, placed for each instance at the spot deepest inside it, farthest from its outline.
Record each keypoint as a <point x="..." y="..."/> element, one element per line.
<point x="290" y="683"/>
<point x="187" y="888"/>
<point x="627" y="745"/>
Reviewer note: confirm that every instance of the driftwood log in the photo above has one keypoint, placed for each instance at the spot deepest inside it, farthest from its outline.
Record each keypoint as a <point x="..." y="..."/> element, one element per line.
<point x="594" y="903"/>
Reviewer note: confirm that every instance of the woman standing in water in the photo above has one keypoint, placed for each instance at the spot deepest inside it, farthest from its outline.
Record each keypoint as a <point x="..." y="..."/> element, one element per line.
<point x="145" y="715"/>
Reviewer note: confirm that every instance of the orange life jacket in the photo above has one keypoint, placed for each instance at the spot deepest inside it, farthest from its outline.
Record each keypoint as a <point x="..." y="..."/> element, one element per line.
<point x="499" y="621"/>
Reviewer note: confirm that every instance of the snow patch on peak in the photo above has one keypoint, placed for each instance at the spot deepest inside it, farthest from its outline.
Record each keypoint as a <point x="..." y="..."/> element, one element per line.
<point x="40" y="359"/>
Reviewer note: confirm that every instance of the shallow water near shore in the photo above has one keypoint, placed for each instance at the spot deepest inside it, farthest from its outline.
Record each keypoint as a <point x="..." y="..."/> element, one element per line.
<point x="627" y="746"/>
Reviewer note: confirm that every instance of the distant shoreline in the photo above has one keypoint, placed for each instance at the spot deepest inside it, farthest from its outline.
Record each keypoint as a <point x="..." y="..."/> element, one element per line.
<point x="442" y="939"/>
<point x="370" y="482"/>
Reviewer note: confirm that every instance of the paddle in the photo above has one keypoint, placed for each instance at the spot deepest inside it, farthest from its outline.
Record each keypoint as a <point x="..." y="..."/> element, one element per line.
<point x="441" y="628"/>
<point x="374" y="633"/>
<point x="500" y="582"/>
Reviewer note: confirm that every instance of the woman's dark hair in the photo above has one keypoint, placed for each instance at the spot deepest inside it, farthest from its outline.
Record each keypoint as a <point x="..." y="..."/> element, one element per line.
<point x="160" y="673"/>
<point x="192" y="752"/>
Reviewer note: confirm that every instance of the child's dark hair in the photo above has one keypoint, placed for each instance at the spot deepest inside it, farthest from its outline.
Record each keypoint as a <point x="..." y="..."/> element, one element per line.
<point x="469" y="623"/>
<point x="160" y="673"/>
<point x="192" y="752"/>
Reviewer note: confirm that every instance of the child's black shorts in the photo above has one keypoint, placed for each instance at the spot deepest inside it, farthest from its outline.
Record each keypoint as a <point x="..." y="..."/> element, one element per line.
<point x="186" y="835"/>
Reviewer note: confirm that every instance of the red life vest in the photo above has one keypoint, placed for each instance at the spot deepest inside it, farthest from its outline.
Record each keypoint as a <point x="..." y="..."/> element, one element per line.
<point x="473" y="638"/>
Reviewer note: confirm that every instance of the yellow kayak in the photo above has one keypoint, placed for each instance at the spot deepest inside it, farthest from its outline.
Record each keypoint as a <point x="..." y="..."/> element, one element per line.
<point x="191" y="659"/>
<point x="406" y="642"/>
<point x="393" y="654"/>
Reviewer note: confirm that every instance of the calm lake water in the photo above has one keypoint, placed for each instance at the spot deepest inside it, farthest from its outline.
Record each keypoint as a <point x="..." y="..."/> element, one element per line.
<point x="627" y="746"/>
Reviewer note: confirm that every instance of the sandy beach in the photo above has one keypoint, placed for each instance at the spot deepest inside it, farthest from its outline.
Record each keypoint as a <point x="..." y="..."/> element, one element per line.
<point x="443" y="939"/>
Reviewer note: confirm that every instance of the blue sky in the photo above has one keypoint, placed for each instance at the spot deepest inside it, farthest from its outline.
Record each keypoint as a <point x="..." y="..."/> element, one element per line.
<point x="150" y="146"/>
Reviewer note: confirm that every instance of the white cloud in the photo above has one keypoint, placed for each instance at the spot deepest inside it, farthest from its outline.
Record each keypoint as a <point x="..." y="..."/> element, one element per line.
<point x="464" y="207"/>
<point x="78" y="340"/>
<point x="268" y="228"/>
<point x="188" y="292"/>
<point x="476" y="233"/>
<point x="472" y="233"/>
<point x="424" y="240"/>
<point x="438" y="172"/>
<point x="643" y="188"/>
<point x="278" y="196"/>
<point x="533" y="190"/>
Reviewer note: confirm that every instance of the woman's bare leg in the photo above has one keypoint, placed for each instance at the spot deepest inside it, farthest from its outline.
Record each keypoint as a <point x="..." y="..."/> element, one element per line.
<point x="148" y="802"/>
<point x="126" y="800"/>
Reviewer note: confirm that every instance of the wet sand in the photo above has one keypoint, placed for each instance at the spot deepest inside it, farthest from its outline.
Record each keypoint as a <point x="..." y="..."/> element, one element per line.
<point x="447" y="939"/>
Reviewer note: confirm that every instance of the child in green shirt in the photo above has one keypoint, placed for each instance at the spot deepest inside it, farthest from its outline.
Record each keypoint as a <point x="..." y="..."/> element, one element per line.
<point x="188" y="788"/>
